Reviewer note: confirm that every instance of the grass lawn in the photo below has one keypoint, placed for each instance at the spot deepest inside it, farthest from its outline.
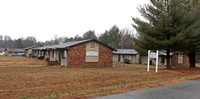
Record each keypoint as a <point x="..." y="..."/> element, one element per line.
<point x="19" y="61"/>
<point x="54" y="82"/>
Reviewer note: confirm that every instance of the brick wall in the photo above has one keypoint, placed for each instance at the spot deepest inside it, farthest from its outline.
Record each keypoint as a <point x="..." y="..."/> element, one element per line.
<point x="175" y="60"/>
<point x="76" y="56"/>
<point x="52" y="63"/>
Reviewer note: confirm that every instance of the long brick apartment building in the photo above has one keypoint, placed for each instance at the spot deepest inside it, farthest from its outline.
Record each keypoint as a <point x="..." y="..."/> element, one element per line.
<point x="77" y="53"/>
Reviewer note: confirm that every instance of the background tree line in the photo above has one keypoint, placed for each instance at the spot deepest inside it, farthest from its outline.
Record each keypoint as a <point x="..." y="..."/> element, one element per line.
<point x="113" y="37"/>
<point x="8" y="42"/>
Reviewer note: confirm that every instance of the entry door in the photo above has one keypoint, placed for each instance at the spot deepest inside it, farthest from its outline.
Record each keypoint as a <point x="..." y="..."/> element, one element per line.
<point x="118" y="58"/>
<point x="60" y="56"/>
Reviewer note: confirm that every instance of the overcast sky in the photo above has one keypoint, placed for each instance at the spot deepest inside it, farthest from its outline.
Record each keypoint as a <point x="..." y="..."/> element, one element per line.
<point x="45" y="18"/>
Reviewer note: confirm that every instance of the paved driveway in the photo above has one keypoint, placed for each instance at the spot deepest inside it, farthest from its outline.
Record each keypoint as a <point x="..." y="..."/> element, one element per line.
<point x="184" y="90"/>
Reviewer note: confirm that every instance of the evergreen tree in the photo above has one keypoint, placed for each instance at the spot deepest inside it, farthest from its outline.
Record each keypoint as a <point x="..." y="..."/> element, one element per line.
<point x="165" y="26"/>
<point x="19" y="43"/>
<point x="89" y="35"/>
<point x="112" y="37"/>
<point x="193" y="44"/>
<point x="193" y="32"/>
<point x="77" y="38"/>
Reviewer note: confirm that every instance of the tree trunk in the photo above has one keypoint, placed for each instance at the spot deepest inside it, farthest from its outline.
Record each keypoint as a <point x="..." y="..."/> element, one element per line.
<point x="192" y="59"/>
<point x="168" y="59"/>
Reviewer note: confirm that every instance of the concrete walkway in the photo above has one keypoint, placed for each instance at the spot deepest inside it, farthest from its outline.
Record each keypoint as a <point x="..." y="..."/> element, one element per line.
<point x="23" y="66"/>
<point x="184" y="90"/>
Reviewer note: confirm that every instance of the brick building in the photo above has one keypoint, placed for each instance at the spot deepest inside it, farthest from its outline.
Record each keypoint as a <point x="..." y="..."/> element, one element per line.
<point x="29" y="50"/>
<point x="77" y="53"/>
<point x="180" y="59"/>
<point x="126" y="54"/>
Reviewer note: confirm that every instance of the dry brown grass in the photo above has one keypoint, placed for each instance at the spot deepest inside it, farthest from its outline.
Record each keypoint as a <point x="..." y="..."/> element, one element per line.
<point x="61" y="82"/>
<point x="19" y="61"/>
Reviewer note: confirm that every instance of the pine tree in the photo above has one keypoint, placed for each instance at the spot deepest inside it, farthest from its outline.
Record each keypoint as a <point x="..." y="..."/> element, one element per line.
<point x="112" y="37"/>
<point x="165" y="26"/>
<point x="193" y="44"/>
<point x="89" y="35"/>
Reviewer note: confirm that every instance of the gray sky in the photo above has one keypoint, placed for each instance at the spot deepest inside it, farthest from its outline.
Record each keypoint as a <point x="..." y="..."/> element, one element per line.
<point x="45" y="18"/>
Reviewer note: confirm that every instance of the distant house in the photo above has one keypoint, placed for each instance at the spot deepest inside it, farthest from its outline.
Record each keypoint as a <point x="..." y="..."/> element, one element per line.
<point x="77" y="53"/>
<point x="2" y="51"/>
<point x="126" y="54"/>
<point x="14" y="52"/>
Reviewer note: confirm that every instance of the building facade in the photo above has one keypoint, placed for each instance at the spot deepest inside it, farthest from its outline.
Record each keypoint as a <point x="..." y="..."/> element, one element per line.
<point x="180" y="59"/>
<point x="121" y="55"/>
<point x="77" y="53"/>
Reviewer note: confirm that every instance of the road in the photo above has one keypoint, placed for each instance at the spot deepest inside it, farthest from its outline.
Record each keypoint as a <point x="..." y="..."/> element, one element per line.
<point x="183" y="90"/>
<point x="23" y="66"/>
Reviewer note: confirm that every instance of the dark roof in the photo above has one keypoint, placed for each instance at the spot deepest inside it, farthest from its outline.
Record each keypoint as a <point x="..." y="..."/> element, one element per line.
<point x="45" y="47"/>
<point x="17" y="50"/>
<point x="32" y="47"/>
<point x="69" y="44"/>
<point x="125" y="51"/>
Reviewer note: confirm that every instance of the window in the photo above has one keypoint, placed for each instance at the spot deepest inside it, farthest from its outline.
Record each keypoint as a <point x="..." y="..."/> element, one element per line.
<point x="47" y="53"/>
<point x="130" y="57"/>
<point x="92" y="45"/>
<point x="119" y="58"/>
<point x="53" y="54"/>
<point x="180" y="58"/>
<point x="64" y="54"/>
<point x="162" y="59"/>
<point x="42" y="53"/>
<point x="123" y="56"/>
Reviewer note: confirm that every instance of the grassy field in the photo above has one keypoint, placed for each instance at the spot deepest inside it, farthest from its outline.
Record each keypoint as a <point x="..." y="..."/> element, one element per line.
<point x="19" y="61"/>
<point x="55" y="82"/>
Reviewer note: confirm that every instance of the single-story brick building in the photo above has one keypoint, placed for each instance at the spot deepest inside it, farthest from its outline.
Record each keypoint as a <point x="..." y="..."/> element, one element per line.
<point x="42" y="51"/>
<point x="126" y="54"/>
<point x="176" y="59"/>
<point x="180" y="59"/>
<point x="77" y="53"/>
<point x="29" y="50"/>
